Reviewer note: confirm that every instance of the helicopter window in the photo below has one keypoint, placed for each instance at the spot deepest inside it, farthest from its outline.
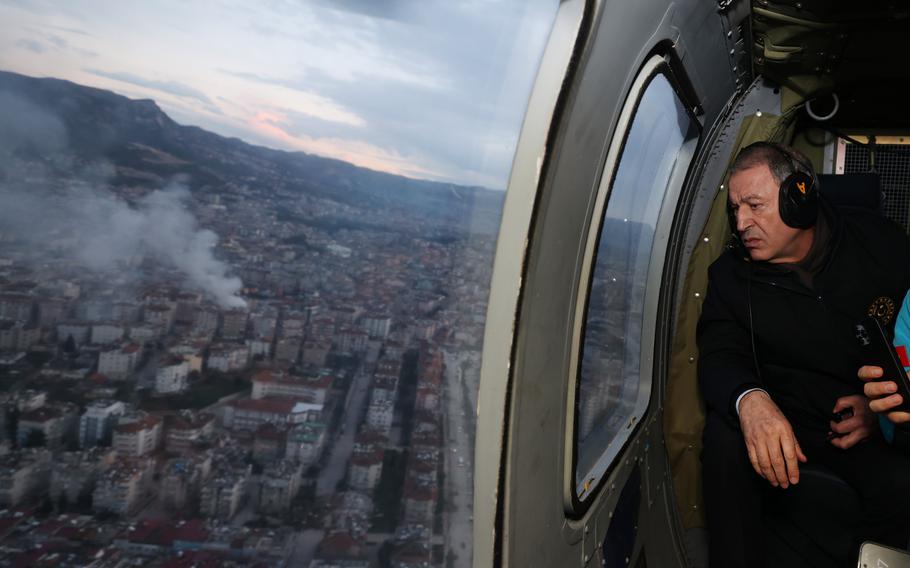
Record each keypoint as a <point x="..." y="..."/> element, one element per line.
<point x="613" y="394"/>
<point x="247" y="247"/>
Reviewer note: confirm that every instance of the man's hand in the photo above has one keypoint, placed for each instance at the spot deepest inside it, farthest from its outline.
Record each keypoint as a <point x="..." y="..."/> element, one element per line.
<point x="858" y="427"/>
<point x="773" y="450"/>
<point x="881" y="394"/>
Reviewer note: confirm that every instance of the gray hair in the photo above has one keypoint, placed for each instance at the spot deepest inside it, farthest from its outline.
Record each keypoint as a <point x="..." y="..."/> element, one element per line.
<point x="781" y="160"/>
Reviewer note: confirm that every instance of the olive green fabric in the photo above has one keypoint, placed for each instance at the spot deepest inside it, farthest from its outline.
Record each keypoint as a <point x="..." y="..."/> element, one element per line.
<point x="800" y="49"/>
<point x="684" y="413"/>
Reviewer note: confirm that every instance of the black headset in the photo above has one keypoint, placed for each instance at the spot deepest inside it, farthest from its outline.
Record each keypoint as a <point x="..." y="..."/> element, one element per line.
<point x="798" y="193"/>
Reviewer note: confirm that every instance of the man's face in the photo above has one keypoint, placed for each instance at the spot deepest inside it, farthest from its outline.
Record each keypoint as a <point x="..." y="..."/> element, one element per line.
<point x="753" y="196"/>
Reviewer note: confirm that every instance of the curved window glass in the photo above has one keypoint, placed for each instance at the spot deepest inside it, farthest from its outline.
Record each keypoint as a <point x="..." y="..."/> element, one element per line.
<point x="613" y="392"/>
<point x="245" y="255"/>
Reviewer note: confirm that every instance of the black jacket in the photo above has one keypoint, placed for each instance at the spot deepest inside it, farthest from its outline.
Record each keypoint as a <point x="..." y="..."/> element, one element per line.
<point x="804" y="343"/>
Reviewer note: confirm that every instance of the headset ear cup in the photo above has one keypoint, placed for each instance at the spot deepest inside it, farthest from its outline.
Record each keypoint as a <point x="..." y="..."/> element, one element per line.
<point x="798" y="201"/>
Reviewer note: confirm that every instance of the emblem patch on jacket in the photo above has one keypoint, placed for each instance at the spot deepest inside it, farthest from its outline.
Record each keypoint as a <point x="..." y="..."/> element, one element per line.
<point x="882" y="309"/>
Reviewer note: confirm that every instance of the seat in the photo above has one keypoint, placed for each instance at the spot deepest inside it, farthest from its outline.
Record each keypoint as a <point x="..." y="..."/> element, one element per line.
<point x="809" y="523"/>
<point x="859" y="191"/>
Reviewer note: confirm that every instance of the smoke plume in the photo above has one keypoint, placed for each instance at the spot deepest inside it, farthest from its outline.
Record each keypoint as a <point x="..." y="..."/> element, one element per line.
<point x="72" y="212"/>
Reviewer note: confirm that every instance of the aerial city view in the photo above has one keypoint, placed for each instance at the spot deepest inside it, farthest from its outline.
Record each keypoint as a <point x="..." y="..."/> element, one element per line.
<point x="220" y="351"/>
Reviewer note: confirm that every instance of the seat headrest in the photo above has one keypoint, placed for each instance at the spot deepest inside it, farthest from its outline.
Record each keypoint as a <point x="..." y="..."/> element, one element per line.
<point x="861" y="191"/>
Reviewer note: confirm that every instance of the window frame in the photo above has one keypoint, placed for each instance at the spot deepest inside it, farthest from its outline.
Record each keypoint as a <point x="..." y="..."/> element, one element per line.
<point x="577" y="502"/>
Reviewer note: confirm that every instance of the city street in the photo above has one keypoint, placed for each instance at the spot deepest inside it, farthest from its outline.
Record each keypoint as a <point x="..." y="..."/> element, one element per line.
<point x="461" y="382"/>
<point x="334" y="470"/>
<point x="343" y="446"/>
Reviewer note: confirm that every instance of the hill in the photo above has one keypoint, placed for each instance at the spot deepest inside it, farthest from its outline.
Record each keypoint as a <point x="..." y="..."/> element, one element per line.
<point x="145" y="144"/>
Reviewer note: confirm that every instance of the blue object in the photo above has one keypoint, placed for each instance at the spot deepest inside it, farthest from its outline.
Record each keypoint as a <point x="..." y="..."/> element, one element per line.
<point x="901" y="339"/>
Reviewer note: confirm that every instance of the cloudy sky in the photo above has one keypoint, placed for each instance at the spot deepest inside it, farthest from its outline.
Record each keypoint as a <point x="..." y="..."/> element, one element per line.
<point x="432" y="89"/>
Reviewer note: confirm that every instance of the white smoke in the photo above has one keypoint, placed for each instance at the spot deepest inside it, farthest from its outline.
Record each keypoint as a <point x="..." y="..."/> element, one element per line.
<point x="103" y="233"/>
<point x="42" y="205"/>
<point x="159" y="226"/>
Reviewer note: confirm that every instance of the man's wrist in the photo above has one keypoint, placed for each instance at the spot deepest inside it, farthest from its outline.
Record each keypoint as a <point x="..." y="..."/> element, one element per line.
<point x="742" y="395"/>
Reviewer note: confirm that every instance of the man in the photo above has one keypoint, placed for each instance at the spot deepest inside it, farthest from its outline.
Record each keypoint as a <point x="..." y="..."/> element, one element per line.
<point x="778" y="356"/>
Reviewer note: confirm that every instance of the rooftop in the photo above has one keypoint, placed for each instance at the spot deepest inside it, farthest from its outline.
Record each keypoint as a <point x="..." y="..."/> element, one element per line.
<point x="276" y="405"/>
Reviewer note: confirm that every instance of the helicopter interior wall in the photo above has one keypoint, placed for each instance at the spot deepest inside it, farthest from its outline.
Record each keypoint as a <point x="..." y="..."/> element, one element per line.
<point x="757" y="115"/>
<point x="524" y="503"/>
<point x="807" y="48"/>
<point x="710" y="49"/>
<point x="541" y="434"/>
<point x="816" y="47"/>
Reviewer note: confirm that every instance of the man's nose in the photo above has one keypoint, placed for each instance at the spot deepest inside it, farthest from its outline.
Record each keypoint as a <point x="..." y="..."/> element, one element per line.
<point x="743" y="219"/>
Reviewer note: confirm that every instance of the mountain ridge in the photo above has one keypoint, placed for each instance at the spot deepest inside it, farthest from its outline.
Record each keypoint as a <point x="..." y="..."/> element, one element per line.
<point x="101" y="124"/>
